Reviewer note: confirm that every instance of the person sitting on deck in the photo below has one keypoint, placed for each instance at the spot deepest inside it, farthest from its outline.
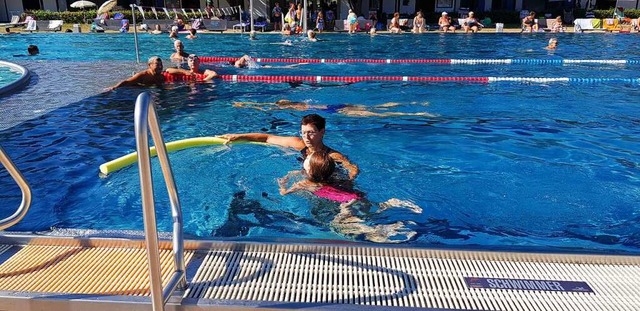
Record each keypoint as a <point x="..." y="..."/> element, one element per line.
<point x="529" y="22"/>
<point x="472" y="24"/>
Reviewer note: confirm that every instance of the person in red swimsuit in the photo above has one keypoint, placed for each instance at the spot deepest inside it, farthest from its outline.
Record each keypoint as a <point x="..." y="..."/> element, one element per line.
<point x="193" y="61"/>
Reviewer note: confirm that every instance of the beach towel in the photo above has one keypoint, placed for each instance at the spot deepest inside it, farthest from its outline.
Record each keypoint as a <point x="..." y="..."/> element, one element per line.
<point x="596" y="23"/>
<point x="31" y="25"/>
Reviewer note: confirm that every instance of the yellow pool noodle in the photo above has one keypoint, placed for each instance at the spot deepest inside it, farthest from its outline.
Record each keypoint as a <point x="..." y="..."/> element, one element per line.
<point x="124" y="161"/>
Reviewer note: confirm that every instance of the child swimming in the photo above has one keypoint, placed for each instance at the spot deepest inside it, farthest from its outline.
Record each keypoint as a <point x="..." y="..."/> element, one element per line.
<point x="319" y="168"/>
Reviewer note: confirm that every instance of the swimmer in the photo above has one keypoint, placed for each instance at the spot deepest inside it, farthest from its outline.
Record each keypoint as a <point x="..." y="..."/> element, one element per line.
<point x="252" y="35"/>
<point x="33" y="50"/>
<point x="193" y="61"/>
<point x="174" y="32"/>
<point x="192" y="34"/>
<point x="311" y="35"/>
<point x="180" y="55"/>
<point x="286" y="42"/>
<point x="150" y="76"/>
<point x="345" y="109"/>
<point x="247" y="62"/>
<point x="553" y="44"/>
<point x="318" y="171"/>
<point x="157" y="30"/>
<point x="373" y="31"/>
<point x="312" y="129"/>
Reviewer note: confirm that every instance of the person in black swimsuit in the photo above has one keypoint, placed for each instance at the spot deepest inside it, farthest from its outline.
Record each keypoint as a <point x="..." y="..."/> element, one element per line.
<point x="530" y="23"/>
<point x="312" y="129"/>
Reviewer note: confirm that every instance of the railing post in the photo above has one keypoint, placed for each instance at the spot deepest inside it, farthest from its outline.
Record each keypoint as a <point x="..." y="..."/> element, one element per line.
<point x="146" y="118"/>
<point x="135" y="32"/>
<point x="24" y="187"/>
<point x="148" y="208"/>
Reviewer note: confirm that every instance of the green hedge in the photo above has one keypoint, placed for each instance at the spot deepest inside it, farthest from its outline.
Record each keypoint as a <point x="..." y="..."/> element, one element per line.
<point x="609" y="13"/>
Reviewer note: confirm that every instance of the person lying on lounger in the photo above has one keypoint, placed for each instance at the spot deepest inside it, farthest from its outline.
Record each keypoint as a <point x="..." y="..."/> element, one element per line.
<point x="345" y="109"/>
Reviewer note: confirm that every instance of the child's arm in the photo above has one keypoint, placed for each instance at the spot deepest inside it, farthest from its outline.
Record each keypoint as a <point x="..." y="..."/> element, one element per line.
<point x="282" y="183"/>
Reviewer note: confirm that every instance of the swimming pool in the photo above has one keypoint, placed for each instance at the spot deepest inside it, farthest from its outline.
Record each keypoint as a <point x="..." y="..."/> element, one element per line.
<point x="507" y="165"/>
<point x="8" y="76"/>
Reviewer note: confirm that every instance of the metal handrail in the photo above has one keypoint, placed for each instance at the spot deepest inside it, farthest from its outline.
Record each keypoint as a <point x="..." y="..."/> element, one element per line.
<point x="24" y="187"/>
<point x="146" y="118"/>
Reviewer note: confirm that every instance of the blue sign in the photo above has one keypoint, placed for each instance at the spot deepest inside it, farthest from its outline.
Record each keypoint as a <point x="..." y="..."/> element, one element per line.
<point x="520" y="284"/>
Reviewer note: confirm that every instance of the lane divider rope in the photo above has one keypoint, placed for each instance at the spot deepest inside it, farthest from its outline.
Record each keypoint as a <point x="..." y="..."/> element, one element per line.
<point x="217" y="59"/>
<point x="354" y="79"/>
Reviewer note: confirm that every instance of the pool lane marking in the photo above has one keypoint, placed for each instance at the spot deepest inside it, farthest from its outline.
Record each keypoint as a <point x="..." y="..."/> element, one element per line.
<point x="353" y="79"/>
<point x="453" y="61"/>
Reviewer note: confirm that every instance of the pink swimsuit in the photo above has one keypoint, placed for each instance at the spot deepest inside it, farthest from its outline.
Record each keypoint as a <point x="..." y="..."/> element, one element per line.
<point x="335" y="194"/>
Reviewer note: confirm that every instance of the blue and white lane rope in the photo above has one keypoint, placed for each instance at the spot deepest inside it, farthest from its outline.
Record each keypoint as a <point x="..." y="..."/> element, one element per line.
<point x="568" y="80"/>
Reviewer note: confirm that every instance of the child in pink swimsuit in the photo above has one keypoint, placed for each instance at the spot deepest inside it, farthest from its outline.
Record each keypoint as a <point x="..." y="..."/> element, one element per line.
<point x="318" y="169"/>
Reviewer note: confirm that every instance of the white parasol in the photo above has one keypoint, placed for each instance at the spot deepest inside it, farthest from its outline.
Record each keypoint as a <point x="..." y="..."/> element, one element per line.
<point x="82" y="4"/>
<point x="107" y="6"/>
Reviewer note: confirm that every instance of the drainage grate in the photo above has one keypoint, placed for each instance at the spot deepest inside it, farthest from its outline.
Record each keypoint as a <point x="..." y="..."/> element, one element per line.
<point x="408" y="278"/>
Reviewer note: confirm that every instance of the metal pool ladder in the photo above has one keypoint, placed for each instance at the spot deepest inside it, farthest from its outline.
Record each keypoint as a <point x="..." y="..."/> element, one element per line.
<point x="145" y="118"/>
<point x="24" y="187"/>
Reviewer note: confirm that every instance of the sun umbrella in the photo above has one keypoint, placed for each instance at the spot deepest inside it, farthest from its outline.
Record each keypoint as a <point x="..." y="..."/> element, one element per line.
<point x="107" y="6"/>
<point x="82" y="4"/>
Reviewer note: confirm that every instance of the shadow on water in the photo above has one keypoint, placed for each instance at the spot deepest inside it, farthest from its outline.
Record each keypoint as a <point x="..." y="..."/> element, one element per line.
<point x="245" y="214"/>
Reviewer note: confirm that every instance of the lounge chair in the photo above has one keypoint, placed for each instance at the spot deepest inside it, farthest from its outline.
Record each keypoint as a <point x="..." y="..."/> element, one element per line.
<point x="244" y="26"/>
<point x="55" y="25"/>
<point x="31" y="24"/>
<point x="15" y="22"/>
<point x="217" y="24"/>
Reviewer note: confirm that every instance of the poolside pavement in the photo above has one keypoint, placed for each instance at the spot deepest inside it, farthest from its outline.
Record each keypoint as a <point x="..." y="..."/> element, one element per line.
<point x="85" y="28"/>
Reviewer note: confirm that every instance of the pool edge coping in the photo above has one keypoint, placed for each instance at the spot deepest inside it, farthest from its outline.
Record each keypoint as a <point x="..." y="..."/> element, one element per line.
<point x="20" y="82"/>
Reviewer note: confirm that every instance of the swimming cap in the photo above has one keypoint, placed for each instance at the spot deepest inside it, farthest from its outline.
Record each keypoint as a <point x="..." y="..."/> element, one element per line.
<point x="444" y="13"/>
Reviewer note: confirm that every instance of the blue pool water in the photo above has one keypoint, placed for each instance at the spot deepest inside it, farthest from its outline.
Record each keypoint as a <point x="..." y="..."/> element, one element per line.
<point x="519" y="166"/>
<point x="7" y="76"/>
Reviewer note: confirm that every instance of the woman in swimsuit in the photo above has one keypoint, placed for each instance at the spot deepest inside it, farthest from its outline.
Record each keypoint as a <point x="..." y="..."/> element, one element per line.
<point x="472" y="24"/>
<point x="530" y="23"/>
<point x="319" y="168"/>
<point x="445" y="23"/>
<point x="394" y="27"/>
<point x="418" y="23"/>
